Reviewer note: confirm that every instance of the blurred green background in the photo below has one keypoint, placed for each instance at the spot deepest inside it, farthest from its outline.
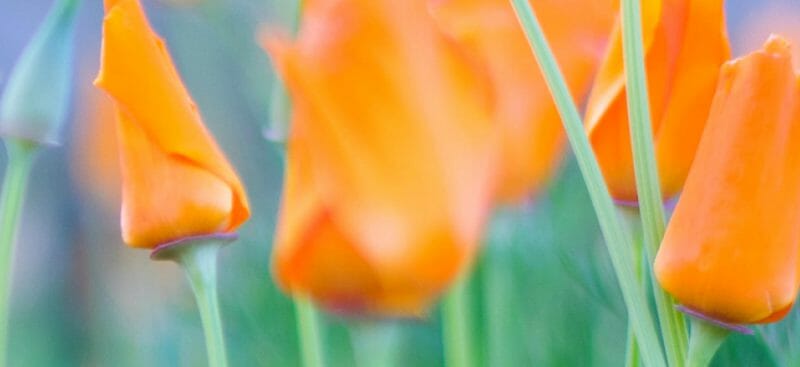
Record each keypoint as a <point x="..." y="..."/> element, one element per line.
<point x="82" y="298"/>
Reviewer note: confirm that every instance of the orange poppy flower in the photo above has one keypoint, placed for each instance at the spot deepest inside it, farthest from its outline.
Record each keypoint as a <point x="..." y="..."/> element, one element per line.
<point x="175" y="180"/>
<point x="533" y="138"/>
<point x="731" y="249"/>
<point x="685" y="45"/>
<point x="390" y="161"/>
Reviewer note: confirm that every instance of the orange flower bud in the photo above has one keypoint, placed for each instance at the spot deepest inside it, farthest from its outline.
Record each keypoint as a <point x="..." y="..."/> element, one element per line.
<point x="390" y="161"/>
<point x="731" y="249"/>
<point x="176" y="181"/>
<point x="533" y="138"/>
<point x="685" y="44"/>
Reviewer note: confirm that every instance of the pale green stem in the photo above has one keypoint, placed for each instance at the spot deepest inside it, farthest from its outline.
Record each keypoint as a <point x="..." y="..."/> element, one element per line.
<point x="673" y="325"/>
<point x="498" y="291"/>
<point x="632" y="356"/>
<point x="199" y="261"/>
<point x="631" y="216"/>
<point x="308" y="329"/>
<point x="375" y="344"/>
<point x="457" y="330"/>
<point x="21" y="155"/>
<point x="280" y="104"/>
<point x="617" y="240"/>
<point x="705" y="341"/>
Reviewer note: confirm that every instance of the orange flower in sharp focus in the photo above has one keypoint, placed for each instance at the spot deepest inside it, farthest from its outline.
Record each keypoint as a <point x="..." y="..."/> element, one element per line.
<point x="176" y="181"/>
<point x="685" y="44"/>
<point x="731" y="249"/>
<point x="533" y="138"/>
<point x="390" y="164"/>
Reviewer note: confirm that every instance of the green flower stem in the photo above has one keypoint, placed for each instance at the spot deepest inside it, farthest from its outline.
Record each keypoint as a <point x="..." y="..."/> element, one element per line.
<point x="617" y="240"/>
<point x="198" y="258"/>
<point x="280" y="104"/>
<point x="705" y="340"/>
<point x="499" y="290"/>
<point x="375" y="343"/>
<point x="457" y="321"/>
<point x="673" y="325"/>
<point x="21" y="155"/>
<point x="631" y="216"/>
<point x="308" y="329"/>
<point x="632" y="357"/>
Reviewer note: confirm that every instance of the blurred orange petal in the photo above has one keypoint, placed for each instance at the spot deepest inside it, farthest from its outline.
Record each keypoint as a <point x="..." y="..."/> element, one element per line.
<point x="176" y="181"/>
<point x="390" y="161"/>
<point x="96" y="151"/>
<point x="685" y="44"/>
<point x="533" y="139"/>
<point x="731" y="249"/>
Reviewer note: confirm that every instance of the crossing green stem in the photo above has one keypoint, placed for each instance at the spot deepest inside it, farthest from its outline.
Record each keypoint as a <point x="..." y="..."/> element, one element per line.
<point x="673" y="325"/>
<point x="617" y="240"/>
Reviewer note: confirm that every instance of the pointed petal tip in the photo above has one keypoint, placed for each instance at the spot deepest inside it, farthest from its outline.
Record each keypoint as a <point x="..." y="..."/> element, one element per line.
<point x="778" y="45"/>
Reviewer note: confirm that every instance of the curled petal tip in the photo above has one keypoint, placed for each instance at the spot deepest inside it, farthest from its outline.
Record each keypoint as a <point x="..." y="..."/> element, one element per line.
<point x="777" y="44"/>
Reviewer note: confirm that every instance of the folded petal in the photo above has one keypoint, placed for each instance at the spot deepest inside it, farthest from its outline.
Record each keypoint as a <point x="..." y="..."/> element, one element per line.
<point x="138" y="73"/>
<point x="685" y="44"/>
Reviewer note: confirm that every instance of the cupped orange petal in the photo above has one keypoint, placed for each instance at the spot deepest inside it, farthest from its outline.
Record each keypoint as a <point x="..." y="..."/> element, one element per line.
<point x="390" y="161"/>
<point x="532" y="135"/>
<point x="731" y="249"/>
<point x="161" y="132"/>
<point x="685" y="44"/>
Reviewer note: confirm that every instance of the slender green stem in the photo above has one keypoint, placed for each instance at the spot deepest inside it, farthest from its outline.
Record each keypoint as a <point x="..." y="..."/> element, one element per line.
<point x="21" y="156"/>
<point x="498" y="291"/>
<point x="457" y="319"/>
<point x="375" y="344"/>
<point x="632" y="356"/>
<point x="280" y="104"/>
<point x="705" y="341"/>
<point x="199" y="260"/>
<point x="617" y="240"/>
<point x="631" y="216"/>
<point x="308" y="329"/>
<point x="673" y="325"/>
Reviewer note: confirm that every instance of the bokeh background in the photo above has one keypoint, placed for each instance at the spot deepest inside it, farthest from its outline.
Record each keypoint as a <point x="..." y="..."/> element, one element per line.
<point x="82" y="298"/>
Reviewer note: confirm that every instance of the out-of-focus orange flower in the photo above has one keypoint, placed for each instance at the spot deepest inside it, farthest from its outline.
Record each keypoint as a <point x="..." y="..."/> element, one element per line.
<point x="176" y="181"/>
<point x="685" y="44"/>
<point x="731" y="249"/>
<point x="390" y="158"/>
<point x="95" y="161"/>
<point x="533" y="138"/>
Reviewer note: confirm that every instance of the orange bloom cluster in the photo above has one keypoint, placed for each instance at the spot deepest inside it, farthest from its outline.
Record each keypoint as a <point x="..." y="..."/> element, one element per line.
<point x="685" y="45"/>
<point x="176" y="181"/>
<point x="731" y="249"/>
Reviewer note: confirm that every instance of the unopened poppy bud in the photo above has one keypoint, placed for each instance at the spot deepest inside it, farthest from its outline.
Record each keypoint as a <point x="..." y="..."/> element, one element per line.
<point x="176" y="182"/>
<point x="731" y="250"/>
<point x="36" y="100"/>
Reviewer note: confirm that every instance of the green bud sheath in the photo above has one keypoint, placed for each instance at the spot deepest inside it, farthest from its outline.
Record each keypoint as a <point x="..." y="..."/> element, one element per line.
<point x="36" y="99"/>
